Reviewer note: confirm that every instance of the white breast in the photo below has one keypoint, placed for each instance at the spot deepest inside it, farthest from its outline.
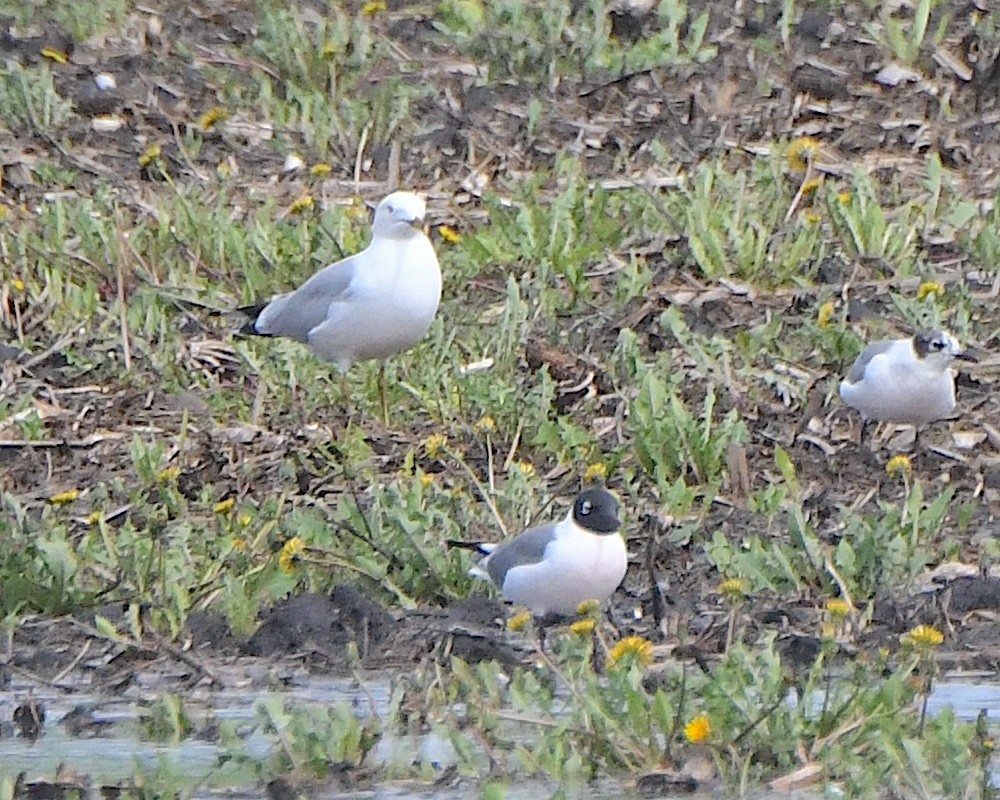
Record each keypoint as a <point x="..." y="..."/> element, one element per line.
<point x="577" y="566"/>
<point x="389" y="307"/>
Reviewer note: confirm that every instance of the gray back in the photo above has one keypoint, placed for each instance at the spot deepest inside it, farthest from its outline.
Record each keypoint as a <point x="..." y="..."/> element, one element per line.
<point x="861" y="364"/>
<point x="528" y="548"/>
<point x="295" y="314"/>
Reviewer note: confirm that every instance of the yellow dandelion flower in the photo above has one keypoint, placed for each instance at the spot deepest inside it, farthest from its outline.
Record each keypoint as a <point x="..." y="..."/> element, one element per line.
<point x="825" y="314"/>
<point x="450" y="235"/>
<point x="224" y="170"/>
<point x="320" y="170"/>
<point x="64" y="498"/>
<point x="631" y="650"/>
<point x="168" y="474"/>
<point x="357" y="209"/>
<point x="524" y="468"/>
<point x="844" y="198"/>
<point x="288" y="561"/>
<point x="426" y="480"/>
<point x="698" y="730"/>
<point x="17" y="283"/>
<point x="485" y="424"/>
<point x="518" y="621"/>
<point x="838" y="608"/>
<point x="898" y="465"/>
<point x="329" y="50"/>
<point x="434" y="444"/>
<point x="597" y="471"/>
<point x="588" y="608"/>
<point x="94" y="517"/>
<point x="301" y="204"/>
<point x="812" y="217"/>
<point x="583" y="627"/>
<point x="802" y="152"/>
<point x="733" y="588"/>
<point x="930" y="289"/>
<point x="52" y="54"/>
<point x="372" y="8"/>
<point x="923" y="637"/>
<point x="245" y="520"/>
<point x="212" y="117"/>
<point x="151" y="154"/>
<point x="240" y="544"/>
<point x="811" y="185"/>
<point x="224" y="506"/>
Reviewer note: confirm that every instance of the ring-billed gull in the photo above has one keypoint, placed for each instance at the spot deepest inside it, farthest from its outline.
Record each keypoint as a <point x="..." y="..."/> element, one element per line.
<point x="370" y="305"/>
<point x="553" y="568"/>
<point x="908" y="381"/>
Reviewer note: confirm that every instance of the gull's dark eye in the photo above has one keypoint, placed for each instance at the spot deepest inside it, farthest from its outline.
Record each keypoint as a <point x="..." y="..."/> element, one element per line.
<point x="585" y="507"/>
<point x="938" y="344"/>
<point x="391" y="209"/>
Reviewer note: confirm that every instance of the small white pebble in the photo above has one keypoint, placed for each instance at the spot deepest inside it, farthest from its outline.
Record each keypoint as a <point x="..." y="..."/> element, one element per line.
<point x="967" y="440"/>
<point x="293" y="163"/>
<point x="894" y="74"/>
<point x="107" y="123"/>
<point x="105" y="81"/>
<point x="476" y="367"/>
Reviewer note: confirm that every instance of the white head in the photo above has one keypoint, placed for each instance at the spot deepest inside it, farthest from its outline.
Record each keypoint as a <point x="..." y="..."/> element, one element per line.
<point x="398" y="215"/>
<point x="938" y="348"/>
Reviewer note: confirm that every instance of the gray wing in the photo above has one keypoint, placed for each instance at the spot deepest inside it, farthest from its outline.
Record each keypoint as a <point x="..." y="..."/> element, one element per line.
<point x="857" y="372"/>
<point x="296" y="313"/>
<point x="527" y="548"/>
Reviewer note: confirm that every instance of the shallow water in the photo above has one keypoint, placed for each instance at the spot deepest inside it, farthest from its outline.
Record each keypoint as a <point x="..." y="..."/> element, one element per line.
<point x="116" y="752"/>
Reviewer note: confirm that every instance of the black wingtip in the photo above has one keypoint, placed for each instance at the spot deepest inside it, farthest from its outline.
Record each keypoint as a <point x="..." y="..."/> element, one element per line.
<point x="251" y="312"/>
<point x="477" y="546"/>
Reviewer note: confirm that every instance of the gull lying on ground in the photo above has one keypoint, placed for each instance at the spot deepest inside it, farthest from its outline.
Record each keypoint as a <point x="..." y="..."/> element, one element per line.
<point x="370" y="305"/>
<point x="553" y="568"/>
<point x="907" y="381"/>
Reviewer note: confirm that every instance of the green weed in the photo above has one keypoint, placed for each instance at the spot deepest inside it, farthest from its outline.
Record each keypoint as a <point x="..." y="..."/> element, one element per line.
<point x="323" y="95"/>
<point x="754" y="714"/>
<point x="552" y="39"/>
<point x="78" y="20"/>
<point x="317" y="740"/>
<point x="29" y="99"/>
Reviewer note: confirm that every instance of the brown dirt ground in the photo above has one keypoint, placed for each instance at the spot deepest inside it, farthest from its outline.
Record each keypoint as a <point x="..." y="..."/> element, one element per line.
<point x="739" y="104"/>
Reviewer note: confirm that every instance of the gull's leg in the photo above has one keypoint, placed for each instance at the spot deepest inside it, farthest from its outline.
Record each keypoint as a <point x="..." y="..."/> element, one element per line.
<point x="381" y="394"/>
<point x="867" y="451"/>
<point x="865" y="424"/>
<point x="345" y="397"/>
<point x="546" y="621"/>
<point x="542" y="625"/>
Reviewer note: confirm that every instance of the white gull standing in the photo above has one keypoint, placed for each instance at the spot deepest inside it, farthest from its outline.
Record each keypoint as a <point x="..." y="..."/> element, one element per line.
<point x="907" y="381"/>
<point x="371" y="305"/>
